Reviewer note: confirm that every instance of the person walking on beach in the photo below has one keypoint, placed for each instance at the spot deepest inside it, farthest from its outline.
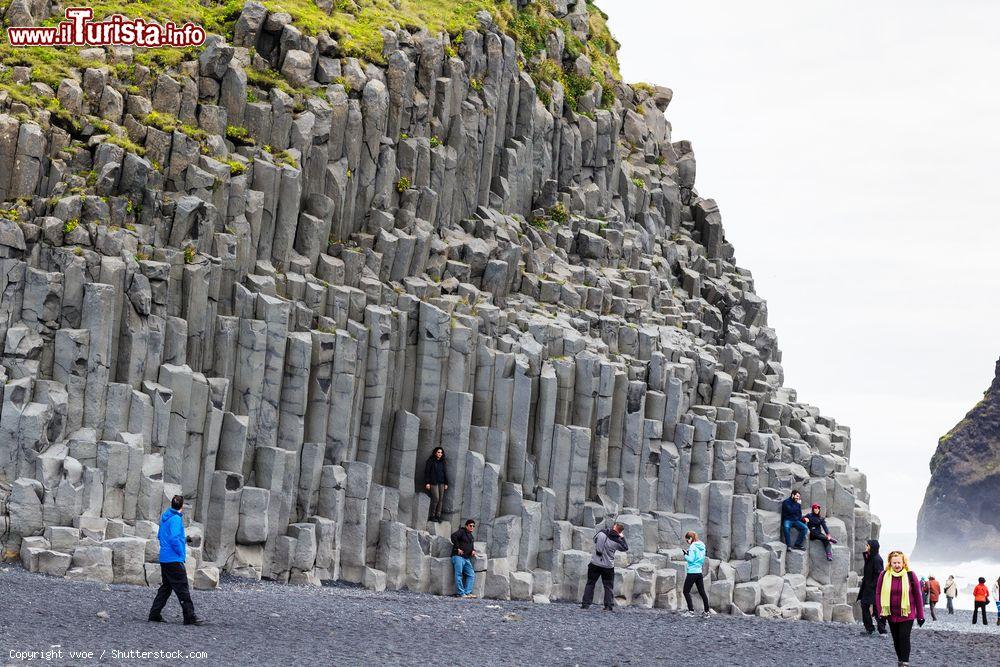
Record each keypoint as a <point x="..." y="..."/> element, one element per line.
<point x="923" y="589"/>
<point x="900" y="600"/>
<point x="819" y="531"/>
<point x="866" y="593"/>
<point x="173" y="553"/>
<point x="602" y="565"/>
<point x="436" y="482"/>
<point x="996" y="598"/>
<point x="694" y="556"/>
<point x="791" y="517"/>
<point x="933" y="594"/>
<point x="463" y="550"/>
<point x="950" y="593"/>
<point x="980" y="596"/>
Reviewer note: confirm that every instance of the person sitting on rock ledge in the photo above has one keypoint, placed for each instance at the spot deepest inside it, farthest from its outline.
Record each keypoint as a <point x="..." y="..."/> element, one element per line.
<point x="819" y="531"/>
<point x="173" y="553"/>
<point x="602" y="565"/>
<point x="791" y="517"/>
<point x="695" y="559"/>
<point x="900" y="600"/>
<point x="462" y="553"/>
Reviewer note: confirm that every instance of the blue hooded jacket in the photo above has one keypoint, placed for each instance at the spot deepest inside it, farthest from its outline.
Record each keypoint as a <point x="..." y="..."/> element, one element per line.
<point x="695" y="557"/>
<point x="173" y="545"/>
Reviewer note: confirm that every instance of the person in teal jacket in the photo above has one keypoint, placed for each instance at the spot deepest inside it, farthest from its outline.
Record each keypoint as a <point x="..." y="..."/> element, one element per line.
<point x="695" y="559"/>
<point x="173" y="554"/>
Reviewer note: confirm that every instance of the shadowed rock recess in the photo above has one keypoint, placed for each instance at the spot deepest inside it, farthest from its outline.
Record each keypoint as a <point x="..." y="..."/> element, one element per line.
<point x="278" y="299"/>
<point x="961" y="510"/>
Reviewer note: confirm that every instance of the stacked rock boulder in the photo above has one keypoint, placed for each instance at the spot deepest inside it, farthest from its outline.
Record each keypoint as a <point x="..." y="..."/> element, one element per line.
<point x="279" y="307"/>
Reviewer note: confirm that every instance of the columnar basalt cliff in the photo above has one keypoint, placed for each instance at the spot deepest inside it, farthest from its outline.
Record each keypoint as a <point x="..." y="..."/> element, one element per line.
<point x="277" y="294"/>
<point x="961" y="510"/>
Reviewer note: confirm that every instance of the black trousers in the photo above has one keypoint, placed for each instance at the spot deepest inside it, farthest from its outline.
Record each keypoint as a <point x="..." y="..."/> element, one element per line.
<point x="695" y="579"/>
<point x="867" y="618"/>
<point x="607" y="577"/>
<point x="901" y="639"/>
<point x="175" y="580"/>
<point x="975" y="611"/>
<point x="933" y="617"/>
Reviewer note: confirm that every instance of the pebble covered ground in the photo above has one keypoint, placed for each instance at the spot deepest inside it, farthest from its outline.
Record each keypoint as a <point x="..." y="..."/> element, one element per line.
<point x="270" y="624"/>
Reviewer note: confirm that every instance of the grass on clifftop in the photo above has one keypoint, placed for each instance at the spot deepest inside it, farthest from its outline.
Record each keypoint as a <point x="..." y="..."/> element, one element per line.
<point x="356" y="24"/>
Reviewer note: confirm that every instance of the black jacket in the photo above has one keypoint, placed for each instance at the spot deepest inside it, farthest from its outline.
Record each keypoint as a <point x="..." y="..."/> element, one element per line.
<point x="874" y="566"/>
<point x="817" y="525"/>
<point x="462" y="539"/>
<point x="436" y="472"/>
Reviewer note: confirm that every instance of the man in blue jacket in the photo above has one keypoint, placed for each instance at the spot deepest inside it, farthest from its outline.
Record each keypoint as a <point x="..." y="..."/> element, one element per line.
<point x="173" y="553"/>
<point x="791" y="517"/>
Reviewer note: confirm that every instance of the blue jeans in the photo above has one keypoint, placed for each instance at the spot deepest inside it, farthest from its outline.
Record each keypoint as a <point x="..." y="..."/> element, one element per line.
<point x="463" y="571"/>
<point x="800" y="526"/>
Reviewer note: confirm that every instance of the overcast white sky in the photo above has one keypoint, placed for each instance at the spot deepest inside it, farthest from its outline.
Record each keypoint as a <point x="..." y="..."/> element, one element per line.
<point x="852" y="147"/>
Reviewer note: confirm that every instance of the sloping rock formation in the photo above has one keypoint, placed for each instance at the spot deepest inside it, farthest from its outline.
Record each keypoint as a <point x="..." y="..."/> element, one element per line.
<point x="961" y="509"/>
<point x="277" y="296"/>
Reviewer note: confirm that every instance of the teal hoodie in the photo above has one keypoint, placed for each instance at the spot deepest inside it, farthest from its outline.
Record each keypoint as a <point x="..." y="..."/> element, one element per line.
<point x="695" y="557"/>
<point x="173" y="545"/>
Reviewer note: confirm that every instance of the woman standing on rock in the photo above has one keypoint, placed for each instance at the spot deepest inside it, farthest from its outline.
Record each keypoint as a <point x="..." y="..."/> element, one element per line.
<point x="901" y="601"/>
<point x="695" y="559"/>
<point x="950" y="593"/>
<point x="436" y="482"/>
<point x="866" y="593"/>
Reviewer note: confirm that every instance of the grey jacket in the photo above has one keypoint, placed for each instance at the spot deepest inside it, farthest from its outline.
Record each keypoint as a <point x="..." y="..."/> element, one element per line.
<point x="606" y="543"/>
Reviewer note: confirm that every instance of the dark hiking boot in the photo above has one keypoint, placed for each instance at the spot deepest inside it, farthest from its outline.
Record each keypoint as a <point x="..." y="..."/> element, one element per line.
<point x="155" y="619"/>
<point x="195" y="621"/>
<point x="585" y="606"/>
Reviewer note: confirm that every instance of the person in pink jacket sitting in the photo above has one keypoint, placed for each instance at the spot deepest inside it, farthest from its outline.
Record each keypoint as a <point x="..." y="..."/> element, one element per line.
<point x="900" y="600"/>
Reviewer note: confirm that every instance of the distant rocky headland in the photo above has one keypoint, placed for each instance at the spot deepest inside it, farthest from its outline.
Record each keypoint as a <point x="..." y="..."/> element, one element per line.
<point x="960" y="516"/>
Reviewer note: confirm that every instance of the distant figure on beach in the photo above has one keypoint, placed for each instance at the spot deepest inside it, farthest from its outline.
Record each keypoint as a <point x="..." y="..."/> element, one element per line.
<point x="933" y="594"/>
<point x="996" y="598"/>
<point x="694" y="556"/>
<point x="950" y="593"/>
<point x="923" y="589"/>
<point x="819" y="531"/>
<point x="791" y="517"/>
<point x="462" y="552"/>
<point x="870" y="575"/>
<point x="436" y="482"/>
<point x="980" y="596"/>
<point x="602" y="565"/>
<point x="900" y="600"/>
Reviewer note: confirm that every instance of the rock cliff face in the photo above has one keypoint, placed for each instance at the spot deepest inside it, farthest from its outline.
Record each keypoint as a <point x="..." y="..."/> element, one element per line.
<point x="277" y="296"/>
<point x="961" y="510"/>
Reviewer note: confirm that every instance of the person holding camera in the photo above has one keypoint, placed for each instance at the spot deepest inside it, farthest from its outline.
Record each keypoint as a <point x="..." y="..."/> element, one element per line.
<point x="694" y="556"/>
<point x="602" y="565"/>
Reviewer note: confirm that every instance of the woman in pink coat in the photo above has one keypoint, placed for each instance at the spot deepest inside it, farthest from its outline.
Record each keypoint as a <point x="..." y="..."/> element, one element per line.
<point x="900" y="600"/>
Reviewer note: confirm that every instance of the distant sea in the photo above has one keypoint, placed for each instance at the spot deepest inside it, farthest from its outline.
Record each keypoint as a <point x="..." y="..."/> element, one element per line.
<point x="965" y="571"/>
